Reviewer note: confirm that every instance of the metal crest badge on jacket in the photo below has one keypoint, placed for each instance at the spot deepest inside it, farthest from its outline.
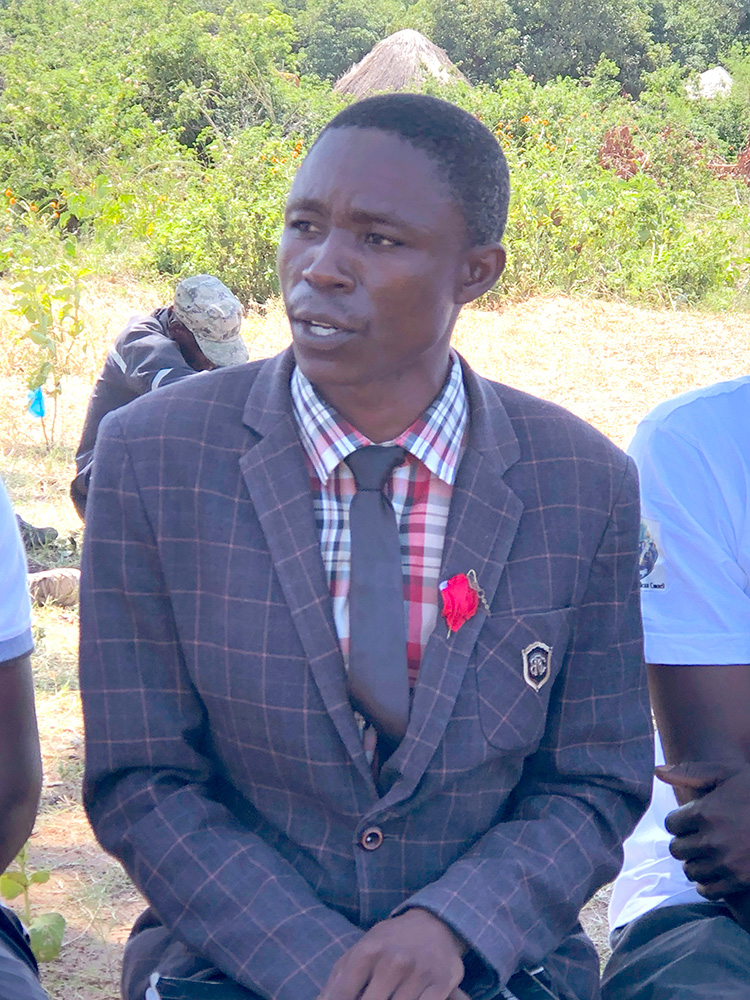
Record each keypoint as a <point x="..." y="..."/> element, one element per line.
<point x="537" y="664"/>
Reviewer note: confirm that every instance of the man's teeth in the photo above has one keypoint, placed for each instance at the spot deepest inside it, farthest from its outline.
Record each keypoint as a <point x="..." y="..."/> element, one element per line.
<point x="319" y="330"/>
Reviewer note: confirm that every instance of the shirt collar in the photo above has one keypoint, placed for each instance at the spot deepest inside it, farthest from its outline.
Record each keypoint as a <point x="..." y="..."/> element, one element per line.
<point x="435" y="437"/>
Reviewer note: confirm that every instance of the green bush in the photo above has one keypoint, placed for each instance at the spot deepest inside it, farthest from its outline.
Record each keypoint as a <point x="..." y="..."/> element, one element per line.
<point x="230" y="218"/>
<point x="214" y="72"/>
<point x="166" y="135"/>
<point x="334" y="34"/>
<point x="546" y="38"/>
<point x="649" y="221"/>
<point x="697" y="32"/>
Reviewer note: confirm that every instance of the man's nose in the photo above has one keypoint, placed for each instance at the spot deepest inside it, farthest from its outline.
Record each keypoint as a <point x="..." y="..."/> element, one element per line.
<point x="330" y="264"/>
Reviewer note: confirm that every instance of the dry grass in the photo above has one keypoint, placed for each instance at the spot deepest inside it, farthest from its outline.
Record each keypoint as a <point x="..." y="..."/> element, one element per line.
<point x="609" y="363"/>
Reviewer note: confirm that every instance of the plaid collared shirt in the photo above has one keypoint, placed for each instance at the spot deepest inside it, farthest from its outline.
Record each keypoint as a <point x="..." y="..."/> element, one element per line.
<point x="420" y="491"/>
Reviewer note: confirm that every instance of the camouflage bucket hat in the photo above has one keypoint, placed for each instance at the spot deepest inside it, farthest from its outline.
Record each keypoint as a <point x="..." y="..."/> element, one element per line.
<point x="214" y="317"/>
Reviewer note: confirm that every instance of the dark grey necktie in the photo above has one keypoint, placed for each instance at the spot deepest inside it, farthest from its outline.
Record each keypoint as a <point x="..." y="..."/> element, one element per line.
<point x="378" y="676"/>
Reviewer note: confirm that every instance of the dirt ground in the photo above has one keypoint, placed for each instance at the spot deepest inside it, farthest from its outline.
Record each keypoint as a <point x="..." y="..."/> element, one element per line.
<point x="608" y="362"/>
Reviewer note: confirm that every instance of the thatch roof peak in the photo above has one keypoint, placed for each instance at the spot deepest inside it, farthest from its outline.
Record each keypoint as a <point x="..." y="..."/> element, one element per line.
<point x="404" y="59"/>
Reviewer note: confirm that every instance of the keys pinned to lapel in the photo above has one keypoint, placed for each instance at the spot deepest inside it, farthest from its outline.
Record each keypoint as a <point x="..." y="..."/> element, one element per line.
<point x="537" y="664"/>
<point x="462" y="596"/>
<point x="471" y="576"/>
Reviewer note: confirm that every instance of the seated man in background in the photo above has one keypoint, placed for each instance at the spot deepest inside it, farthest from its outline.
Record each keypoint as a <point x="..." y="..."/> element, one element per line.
<point x="682" y="920"/>
<point x="322" y="789"/>
<point x="200" y="331"/>
<point x="20" y="761"/>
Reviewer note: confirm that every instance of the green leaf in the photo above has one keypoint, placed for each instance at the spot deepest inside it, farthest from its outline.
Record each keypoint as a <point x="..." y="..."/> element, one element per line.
<point x="46" y="933"/>
<point x="40" y="877"/>
<point x="38" y="338"/>
<point x="9" y="887"/>
<point x="39" y="377"/>
<point x="17" y="876"/>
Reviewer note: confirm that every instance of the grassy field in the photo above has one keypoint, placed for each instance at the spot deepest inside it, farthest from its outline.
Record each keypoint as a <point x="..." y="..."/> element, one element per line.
<point x="607" y="362"/>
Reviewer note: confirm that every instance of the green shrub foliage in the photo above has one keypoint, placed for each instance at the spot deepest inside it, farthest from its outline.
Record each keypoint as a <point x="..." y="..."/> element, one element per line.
<point x="546" y="38"/>
<point x="162" y="138"/>
<point x="230" y="218"/>
<point x="335" y="34"/>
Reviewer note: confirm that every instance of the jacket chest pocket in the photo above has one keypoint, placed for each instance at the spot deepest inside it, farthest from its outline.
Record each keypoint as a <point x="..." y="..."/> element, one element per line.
<point x="518" y="661"/>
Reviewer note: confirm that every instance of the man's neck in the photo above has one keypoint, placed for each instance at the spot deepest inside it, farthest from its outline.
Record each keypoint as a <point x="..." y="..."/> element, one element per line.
<point x="382" y="414"/>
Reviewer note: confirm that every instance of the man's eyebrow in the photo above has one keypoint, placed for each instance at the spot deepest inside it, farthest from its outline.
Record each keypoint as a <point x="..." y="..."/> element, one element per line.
<point x="362" y="215"/>
<point x="306" y="204"/>
<point x="402" y="222"/>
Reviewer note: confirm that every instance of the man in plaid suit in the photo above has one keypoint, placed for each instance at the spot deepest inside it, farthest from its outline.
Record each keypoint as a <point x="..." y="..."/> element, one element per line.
<point x="281" y="855"/>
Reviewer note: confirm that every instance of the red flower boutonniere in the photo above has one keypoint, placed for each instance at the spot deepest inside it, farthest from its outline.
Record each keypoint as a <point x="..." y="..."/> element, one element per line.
<point x="461" y="596"/>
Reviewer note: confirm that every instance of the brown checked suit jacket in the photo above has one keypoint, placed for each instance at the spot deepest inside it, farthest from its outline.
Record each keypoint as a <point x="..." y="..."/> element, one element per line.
<point x="224" y="767"/>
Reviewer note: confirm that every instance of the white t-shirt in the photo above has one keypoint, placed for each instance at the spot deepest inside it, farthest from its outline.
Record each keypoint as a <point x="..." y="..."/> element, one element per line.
<point x="693" y="455"/>
<point x="15" y="608"/>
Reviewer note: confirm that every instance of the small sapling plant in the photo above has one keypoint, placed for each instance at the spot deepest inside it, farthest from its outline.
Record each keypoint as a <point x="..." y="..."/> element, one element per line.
<point x="45" y="929"/>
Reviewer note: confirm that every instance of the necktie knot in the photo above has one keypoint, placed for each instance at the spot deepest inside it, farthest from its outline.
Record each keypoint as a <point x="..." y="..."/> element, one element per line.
<point x="372" y="465"/>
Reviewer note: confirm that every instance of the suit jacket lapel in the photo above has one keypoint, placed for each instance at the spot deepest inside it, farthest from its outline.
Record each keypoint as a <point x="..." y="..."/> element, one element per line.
<point x="277" y="479"/>
<point x="481" y="528"/>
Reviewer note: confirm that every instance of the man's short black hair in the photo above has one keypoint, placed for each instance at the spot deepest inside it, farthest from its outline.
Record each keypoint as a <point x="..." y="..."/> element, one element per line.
<point x="467" y="154"/>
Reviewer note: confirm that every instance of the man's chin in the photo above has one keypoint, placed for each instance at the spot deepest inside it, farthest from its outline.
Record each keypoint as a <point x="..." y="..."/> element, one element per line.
<point x="324" y="365"/>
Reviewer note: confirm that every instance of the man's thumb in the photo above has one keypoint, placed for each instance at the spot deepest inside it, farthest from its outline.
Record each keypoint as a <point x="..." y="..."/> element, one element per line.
<point x="697" y="775"/>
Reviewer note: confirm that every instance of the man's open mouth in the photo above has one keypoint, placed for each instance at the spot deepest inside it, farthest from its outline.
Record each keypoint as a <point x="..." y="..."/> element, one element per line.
<point x="323" y="330"/>
<point x="322" y="327"/>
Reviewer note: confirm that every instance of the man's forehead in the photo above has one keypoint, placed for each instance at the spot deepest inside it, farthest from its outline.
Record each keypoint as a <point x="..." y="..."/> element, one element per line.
<point x="376" y="171"/>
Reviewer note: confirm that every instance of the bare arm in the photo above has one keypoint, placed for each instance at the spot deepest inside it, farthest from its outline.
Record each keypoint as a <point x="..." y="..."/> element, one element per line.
<point x="702" y="712"/>
<point x="696" y="613"/>
<point x="703" y="715"/>
<point x="20" y="761"/>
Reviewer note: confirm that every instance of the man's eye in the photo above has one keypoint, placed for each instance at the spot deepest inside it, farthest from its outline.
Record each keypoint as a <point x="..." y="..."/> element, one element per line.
<point x="303" y="226"/>
<point x="379" y="240"/>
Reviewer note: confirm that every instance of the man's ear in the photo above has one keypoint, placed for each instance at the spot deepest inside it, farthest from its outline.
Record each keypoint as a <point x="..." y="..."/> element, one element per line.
<point x="481" y="269"/>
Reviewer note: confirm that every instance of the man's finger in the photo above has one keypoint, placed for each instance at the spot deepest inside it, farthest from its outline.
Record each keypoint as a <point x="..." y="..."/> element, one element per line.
<point x="683" y="821"/>
<point x="349" y="977"/>
<point x="392" y="981"/>
<point x="434" y="993"/>
<point x="696" y="775"/>
<point x="705" y="872"/>
<point x="690" y="848"/>
<point x="717" y="891"/>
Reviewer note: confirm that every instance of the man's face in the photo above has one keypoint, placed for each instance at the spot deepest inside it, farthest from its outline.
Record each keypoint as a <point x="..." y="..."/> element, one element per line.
<point x="370" y="261"/>
<point x="185" y="340"/>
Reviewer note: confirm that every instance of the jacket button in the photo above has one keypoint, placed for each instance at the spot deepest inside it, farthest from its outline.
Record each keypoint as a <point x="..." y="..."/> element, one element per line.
<point x="371" y="839"/>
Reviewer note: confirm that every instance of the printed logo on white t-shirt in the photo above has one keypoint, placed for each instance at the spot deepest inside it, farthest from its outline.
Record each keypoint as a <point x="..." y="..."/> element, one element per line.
<point x="651" y="559"/>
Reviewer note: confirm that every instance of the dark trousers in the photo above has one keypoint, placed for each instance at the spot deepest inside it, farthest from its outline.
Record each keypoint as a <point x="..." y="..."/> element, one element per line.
<point x="189" y="977"/>
<point x="195" y="989"/>
<point x="692" y="951"/>
<point x="186" y="976"/>
<point x="523" y="986"/>
<point x="19" y="978"/>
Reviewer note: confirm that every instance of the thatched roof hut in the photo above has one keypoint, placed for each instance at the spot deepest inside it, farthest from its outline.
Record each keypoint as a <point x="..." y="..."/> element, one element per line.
<point x="405" y="59"/>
